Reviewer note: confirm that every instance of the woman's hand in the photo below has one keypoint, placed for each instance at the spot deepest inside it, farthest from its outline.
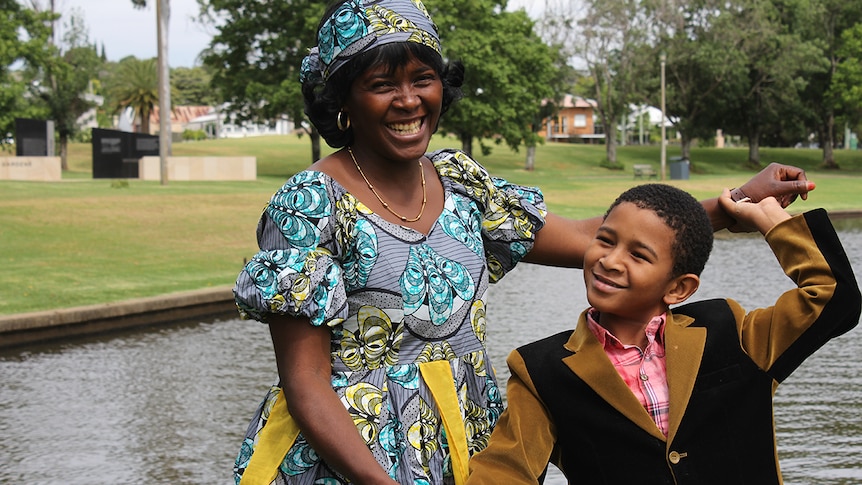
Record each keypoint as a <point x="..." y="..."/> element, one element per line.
<point x="784" y="182"/>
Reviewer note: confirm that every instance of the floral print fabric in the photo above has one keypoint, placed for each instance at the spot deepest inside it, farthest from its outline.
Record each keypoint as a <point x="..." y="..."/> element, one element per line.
<point x="357" y="26"/>
<point x="394" y="298"/>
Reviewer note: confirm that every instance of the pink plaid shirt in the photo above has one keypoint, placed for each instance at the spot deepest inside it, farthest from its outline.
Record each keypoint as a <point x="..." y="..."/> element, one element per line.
<point x="643" y="371"/>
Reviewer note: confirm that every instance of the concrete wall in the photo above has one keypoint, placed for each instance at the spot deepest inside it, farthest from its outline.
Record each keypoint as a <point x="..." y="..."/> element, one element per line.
<point x="70" y="323"/>
<point x="37" y="169"/>
<point x="200" y="168"/>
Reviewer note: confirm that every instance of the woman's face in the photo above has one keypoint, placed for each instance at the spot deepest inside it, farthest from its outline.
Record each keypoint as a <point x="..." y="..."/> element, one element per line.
<point x="394" y="112"/>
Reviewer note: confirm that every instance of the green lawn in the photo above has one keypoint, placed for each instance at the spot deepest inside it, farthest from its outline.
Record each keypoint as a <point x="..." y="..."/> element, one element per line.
<point x="84" y="241"/>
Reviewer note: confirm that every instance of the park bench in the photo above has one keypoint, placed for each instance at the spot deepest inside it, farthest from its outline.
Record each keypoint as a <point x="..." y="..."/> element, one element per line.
<point x="644" y="171"/>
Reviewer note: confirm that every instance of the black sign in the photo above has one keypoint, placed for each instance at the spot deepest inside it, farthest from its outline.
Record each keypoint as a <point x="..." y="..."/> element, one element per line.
<point x="116" y="153"/>
<point x="34" y="138"/>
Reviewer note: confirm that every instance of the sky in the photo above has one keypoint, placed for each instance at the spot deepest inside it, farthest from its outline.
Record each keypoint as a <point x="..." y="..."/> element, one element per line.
<point x="128" y="31"/>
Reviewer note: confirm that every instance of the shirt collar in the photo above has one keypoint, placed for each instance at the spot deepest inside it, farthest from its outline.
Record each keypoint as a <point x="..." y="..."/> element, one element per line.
<point x="654" y="330"/>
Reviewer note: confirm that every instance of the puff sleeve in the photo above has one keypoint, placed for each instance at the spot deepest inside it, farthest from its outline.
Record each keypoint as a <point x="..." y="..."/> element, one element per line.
<point x="296" y="272"/>
<point x="510" y="214"/>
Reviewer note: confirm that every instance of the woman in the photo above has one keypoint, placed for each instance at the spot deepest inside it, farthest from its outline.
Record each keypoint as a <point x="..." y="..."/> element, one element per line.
<point x="375" y="262"/>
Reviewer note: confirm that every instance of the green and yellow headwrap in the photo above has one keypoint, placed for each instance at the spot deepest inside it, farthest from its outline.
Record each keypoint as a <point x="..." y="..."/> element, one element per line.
<point x="360" y="25"/>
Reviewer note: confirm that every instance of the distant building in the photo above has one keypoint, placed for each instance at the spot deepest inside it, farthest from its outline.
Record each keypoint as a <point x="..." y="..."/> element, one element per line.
<point x="218" y="124"/>
<point x="214" y="123"/>
<point x="181" y="116"/>
<point x="88" y="120"/>
<point x="575" y="122"/>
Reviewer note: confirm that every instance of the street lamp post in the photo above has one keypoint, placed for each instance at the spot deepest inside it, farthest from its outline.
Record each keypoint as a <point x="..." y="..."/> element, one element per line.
<point x="663" y="58"/>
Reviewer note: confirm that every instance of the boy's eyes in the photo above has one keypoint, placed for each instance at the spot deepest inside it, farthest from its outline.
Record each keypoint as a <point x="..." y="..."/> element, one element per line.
<point x="608" y="242"/>
<point x="604" y="240"/>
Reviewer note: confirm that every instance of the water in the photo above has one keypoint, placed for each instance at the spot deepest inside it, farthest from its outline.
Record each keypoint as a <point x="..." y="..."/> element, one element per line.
<point x="170" y="405"/>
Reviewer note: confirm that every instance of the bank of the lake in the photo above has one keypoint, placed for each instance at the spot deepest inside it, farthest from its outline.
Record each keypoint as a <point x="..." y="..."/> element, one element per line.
<point x="85" y="242"/>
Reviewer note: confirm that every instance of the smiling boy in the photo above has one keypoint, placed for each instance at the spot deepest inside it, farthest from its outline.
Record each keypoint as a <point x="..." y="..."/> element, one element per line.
<point x="642" y="393"/>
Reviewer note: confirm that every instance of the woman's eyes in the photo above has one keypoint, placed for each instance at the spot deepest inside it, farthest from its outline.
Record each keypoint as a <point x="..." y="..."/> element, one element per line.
<point x="426" y="78"/>
<point x="423" y="80"/>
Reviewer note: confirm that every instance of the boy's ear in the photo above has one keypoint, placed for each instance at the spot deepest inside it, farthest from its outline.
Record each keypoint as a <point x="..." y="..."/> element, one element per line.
<point x="680" y="288"/>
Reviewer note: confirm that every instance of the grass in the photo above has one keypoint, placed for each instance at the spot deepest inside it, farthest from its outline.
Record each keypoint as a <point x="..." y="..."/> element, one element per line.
<point x="86" y="241"/>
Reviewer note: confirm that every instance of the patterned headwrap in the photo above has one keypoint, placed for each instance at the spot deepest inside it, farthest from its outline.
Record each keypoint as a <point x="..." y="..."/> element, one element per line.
<point x="360" y="25"/>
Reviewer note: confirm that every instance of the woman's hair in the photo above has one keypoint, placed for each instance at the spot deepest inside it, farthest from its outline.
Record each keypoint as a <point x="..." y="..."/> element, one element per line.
<point x="324" y="100"/>
<point x="684" y="215"/>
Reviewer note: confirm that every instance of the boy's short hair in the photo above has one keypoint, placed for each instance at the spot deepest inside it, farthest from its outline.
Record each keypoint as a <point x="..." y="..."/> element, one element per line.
<point x="684" y="215"/>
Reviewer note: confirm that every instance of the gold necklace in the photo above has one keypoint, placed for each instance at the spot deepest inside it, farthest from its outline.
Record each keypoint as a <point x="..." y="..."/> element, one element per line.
<point x="385" y="205"/>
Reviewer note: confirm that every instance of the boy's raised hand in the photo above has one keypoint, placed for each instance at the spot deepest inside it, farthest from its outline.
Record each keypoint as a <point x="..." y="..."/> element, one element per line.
<point x="760" y="216"/>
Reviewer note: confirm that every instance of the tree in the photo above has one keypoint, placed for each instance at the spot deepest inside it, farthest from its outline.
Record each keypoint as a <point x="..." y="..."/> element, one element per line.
<point x="256" y="54"/>
<point x="826" y="22"/>
<point x="69" y="77"/>
<point x="778" y="62"/>
<point x="606" y="37"/>
<point x="510" y="71"/>
<point x="64" y="80"/>
<point x="191" y="86"/>
<point x="24" y="44"/>
<point x="259" y="46"/>
<point x="136" y="85"/>
<point x="847" y="83"/>
<point x="702" y="44"/>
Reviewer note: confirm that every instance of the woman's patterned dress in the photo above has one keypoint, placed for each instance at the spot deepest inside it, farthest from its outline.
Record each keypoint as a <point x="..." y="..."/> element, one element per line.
<point x="407" y="315"/>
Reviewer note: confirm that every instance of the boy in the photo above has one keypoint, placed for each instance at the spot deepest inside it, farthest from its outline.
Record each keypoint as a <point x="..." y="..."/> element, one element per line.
<point x="640" y="393"/>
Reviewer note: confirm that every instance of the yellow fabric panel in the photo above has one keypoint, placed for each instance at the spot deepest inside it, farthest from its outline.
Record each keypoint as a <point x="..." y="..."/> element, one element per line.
<point x="441" y="383"/>
<point x="274" y="441"/>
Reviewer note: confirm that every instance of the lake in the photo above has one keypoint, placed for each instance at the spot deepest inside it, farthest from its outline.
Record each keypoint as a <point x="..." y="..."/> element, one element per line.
<point x="171" y="404"/>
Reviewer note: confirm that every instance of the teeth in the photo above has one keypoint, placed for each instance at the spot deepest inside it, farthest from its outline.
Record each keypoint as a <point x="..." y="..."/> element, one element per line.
<point x="406" y="128"/>
<point x="608" y="282"/>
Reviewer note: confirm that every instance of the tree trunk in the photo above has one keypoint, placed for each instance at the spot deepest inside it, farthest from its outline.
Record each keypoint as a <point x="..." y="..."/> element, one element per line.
<point x="530" y="163"/>
<point x="754" y="148"/>
<point x="685" y="146"/>
<point x="64" y="152"/>
<point x="827" y="141"/>
<point x="145" y="123"/>
<point x="467" y="144"/>
<point x="624" y="133"/>
<point x="611" y="146"/>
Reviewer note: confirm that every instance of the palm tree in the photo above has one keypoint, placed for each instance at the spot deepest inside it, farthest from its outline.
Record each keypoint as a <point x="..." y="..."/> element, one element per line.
<point x="137" y="86"/>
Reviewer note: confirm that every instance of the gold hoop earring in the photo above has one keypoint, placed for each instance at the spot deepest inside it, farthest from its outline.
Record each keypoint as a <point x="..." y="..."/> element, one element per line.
<point x="341" y="124"/>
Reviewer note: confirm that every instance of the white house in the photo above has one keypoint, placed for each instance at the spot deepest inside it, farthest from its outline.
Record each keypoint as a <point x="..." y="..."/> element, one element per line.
<point x="217" y="124"/>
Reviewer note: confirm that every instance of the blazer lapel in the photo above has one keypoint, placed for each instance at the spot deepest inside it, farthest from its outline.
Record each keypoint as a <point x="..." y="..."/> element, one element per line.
<point x="683" y="350"/>
<point x="591" y="364"/>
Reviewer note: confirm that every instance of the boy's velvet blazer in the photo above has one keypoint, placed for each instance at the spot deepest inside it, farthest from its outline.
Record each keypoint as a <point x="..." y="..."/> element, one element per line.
<point x="567" y="405"/>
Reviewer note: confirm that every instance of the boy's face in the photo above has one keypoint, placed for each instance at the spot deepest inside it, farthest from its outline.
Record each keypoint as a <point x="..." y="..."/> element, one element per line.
<point x="627" y="266"/>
